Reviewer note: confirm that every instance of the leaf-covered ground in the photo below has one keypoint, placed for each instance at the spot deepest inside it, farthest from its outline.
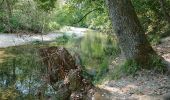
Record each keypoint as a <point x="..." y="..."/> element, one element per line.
<point x="146" y="85"/>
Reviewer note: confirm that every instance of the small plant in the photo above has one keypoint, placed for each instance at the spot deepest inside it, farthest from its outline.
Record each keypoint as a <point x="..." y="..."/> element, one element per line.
<point x="130" y="67"/>
<point x="158" y="64"/>
<point x="154" y="39"/>
<point x="103" y="69"/>
<point x="111" y="47"/>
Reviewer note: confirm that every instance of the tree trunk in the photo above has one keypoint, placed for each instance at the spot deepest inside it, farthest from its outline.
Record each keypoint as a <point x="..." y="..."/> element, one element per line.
<point x="132" y="39"/>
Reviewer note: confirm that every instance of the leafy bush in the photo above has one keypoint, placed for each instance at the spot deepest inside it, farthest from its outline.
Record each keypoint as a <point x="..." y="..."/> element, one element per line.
<point x="27" y="16"/>
<point x="63" y="39"/>
<point x="129" y="67"/>
<point x="154" y="39"/>
<point x="157" y="63"/>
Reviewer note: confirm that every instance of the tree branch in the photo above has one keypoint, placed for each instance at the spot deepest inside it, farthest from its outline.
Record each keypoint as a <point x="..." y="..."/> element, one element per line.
<point x="86" y="15"/>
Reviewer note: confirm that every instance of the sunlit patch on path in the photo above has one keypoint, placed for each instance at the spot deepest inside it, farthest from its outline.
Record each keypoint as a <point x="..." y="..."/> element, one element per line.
<point x="163" y="49"/>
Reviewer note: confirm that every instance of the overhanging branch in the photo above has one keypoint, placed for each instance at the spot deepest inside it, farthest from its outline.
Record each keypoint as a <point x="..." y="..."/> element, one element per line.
<point x="86" y="15"/>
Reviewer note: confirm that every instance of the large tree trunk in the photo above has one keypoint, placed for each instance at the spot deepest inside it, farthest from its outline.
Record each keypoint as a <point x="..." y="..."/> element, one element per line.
<point x="129" y="32"/>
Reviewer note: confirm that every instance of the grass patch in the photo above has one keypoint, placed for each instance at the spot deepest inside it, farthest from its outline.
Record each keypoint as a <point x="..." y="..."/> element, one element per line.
<point x="157" y="63"/>
<point x="130" y="67"/>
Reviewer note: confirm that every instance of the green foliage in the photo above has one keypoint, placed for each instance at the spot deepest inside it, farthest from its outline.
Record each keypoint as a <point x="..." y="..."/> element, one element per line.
<point x="95" y="51"/>
<point x="103" y="69"/>
<point x="53" y="25"/>
<point x="112" y="48"/>
<point x="26" y="16"/>
<point x="92" y="45"/>
<point x="68" y="15"/>
<point x="21" y="71"/>
<point x="151" y="16"/>
<point x="63" y="39"/>
<point x="129" y="67"/>
<point x="157" y="63"/>
<point x="28" y="65"/>
<point x="149" y="12"/>
<point x="97" y="45"/>
<point x="97" y="19"/>
<point x="154" y="39"/>
<point x="46" y="4"/>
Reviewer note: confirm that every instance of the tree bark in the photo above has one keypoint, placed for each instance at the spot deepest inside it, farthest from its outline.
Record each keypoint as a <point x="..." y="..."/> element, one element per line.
<point x="131" y="36"/>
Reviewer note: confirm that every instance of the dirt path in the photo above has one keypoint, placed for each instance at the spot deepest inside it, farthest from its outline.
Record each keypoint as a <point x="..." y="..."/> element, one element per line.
<point x="164" y="48"/>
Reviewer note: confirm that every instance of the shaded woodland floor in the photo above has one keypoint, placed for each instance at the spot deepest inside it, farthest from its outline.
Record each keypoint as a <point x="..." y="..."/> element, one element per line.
<point x="146" y="85"/>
